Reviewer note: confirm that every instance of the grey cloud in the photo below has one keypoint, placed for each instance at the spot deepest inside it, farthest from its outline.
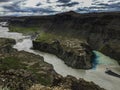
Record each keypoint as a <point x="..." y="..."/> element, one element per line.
<point x="38" y="4"/>
<point x="64" y="1"/>
<point x="69" y="4"/>
<point x="5" y="0"/>
<point x="12" y="7"/>
<point x="17" y="8"/>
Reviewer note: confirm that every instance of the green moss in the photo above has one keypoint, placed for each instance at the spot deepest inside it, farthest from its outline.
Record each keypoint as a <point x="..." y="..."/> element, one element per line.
<point x="44" y="79"/>
<point x="15" y="63"/>
<point x="24" y="30"/>
<point x="47" y="37"/>
<point x="33" y="70"/>
<point x="11" y="63"/>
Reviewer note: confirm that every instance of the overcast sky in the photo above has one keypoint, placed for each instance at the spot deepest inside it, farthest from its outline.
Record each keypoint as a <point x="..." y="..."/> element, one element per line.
<point x="43" y="7"/>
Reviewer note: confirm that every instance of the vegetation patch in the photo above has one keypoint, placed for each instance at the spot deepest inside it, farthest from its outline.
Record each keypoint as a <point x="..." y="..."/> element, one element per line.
<point x="47" y="37"/>
<point x="24" y="30"/>
<point x="11" y="63"/>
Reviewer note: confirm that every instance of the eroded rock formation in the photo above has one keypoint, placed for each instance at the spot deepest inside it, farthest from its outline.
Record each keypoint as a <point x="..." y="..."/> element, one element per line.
<point x="20" y="70"/>
<point x="74" y="52"/>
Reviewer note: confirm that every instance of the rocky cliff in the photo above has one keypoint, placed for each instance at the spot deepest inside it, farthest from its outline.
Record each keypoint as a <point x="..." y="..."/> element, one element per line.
<point x="68" y="83"/>
<point x="75" y="53"/>
<point x="20" y="70"/>
<point x="100" y="30"/>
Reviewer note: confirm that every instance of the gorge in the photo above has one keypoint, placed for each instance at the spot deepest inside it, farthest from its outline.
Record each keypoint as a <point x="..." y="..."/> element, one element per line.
<point x="95" y="40"/>
<point x="100" y="30"/>
<point x="25" y="69"/>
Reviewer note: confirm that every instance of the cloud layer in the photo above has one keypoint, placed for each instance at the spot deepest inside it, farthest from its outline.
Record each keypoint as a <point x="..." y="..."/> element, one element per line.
<point x="45" y="7"/>
<point x="4" y="0"/>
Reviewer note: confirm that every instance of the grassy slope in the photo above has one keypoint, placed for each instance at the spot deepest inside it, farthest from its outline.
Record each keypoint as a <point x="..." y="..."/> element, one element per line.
<point x="24" y="30"/>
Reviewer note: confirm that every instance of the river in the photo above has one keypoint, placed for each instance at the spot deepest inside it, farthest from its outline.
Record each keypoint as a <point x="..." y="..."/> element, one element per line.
<point x="97" y="74"/>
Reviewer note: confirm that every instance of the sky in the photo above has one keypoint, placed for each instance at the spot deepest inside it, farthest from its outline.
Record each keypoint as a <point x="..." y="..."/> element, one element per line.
<point x="46" y="7"/>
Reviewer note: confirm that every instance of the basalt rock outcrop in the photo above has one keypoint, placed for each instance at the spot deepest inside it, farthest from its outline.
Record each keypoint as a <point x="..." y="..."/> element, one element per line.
<point x="68" y="83"/>
<point x="20" y="70"/>
<point x="100" y="30"/>
<point x="73" y="52"/>
<point x="6" y="45"/>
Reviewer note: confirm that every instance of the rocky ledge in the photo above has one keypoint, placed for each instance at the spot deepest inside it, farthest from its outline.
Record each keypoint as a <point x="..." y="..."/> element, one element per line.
<point x="67" y="83"/>
<point x="74" y="52"/>
<point x="20" y="70"/>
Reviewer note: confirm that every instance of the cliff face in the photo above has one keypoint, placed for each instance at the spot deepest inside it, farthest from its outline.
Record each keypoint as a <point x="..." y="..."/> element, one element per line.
<point x="100" y="30"/>
<point x="74" y="52"/>
<point x="6" y="45"/>
<point x="20" y="70"/>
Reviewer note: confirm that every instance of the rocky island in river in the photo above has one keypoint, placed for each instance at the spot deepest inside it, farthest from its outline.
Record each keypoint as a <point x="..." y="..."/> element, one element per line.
<point x="74" y="52"/>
